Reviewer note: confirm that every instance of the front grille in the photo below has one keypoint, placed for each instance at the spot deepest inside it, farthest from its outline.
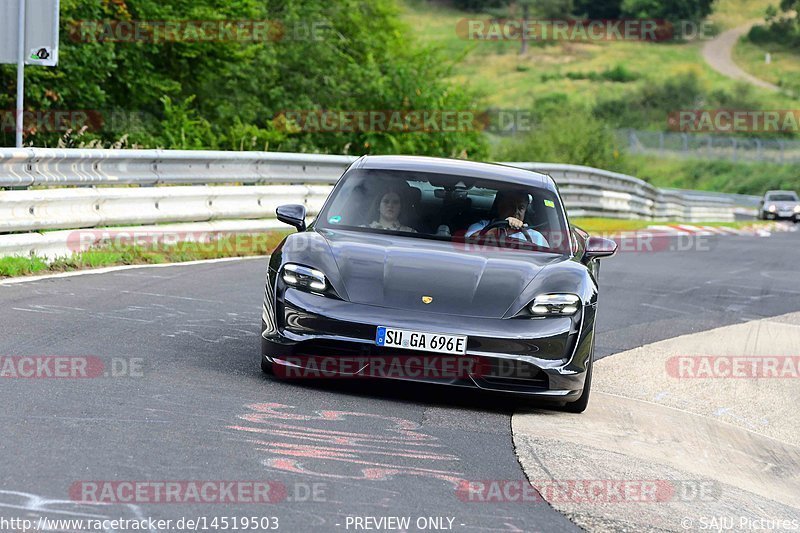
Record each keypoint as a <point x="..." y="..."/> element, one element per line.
<point x="513" y="373"/>
<point x="489" y="372"/>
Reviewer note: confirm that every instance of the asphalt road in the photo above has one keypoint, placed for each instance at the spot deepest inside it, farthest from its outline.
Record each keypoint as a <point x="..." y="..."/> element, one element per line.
<point x="718" y="53"/>
<point x="201" y="410"/>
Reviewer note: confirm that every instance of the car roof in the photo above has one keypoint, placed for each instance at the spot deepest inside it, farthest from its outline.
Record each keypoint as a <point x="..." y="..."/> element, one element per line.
<point x="458" y="167"/>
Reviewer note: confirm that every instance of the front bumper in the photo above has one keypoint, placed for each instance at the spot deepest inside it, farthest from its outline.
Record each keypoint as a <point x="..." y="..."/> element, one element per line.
<point x="543" y="358"/>
<point x="787" y="215"/>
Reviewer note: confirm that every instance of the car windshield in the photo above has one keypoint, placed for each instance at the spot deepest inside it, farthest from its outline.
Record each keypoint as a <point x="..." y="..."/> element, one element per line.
<point x="448" y="207"/>
<point x="783" y="197"/>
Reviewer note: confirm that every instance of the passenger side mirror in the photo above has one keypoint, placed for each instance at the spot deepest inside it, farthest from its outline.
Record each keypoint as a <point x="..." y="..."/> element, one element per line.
<point x="293" y="214"/>
<point x="598" y="248"/>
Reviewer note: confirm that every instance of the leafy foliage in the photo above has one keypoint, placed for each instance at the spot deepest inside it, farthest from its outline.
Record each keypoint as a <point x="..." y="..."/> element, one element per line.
<point x="572" y="136"/>
<point x="672" y="10"/>
<point x="347" y="55"/>
<point x="652" y="104"/>
<point x="782" y="27"/>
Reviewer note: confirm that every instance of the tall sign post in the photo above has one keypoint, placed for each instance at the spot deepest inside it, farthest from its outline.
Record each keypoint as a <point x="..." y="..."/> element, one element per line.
<point x="28" y="36"/>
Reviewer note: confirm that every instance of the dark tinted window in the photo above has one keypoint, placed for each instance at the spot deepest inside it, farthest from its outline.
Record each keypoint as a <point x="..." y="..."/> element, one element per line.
<point x="782" y="197"/>
<point x="447" y="207"/>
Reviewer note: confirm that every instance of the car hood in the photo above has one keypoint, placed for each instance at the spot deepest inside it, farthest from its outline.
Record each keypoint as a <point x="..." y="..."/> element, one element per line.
<point x="397" y="272"/>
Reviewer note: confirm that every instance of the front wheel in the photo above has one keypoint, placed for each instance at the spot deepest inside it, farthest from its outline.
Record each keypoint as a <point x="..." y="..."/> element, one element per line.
<point x="266" y="366"/>
<point x="579" y="405"/>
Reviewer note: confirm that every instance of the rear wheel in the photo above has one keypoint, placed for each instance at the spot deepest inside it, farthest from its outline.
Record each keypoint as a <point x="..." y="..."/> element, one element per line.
<point x="581" y="403"/>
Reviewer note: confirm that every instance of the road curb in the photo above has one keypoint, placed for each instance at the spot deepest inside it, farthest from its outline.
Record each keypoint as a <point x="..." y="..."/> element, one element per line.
<point x="738" y="437"/>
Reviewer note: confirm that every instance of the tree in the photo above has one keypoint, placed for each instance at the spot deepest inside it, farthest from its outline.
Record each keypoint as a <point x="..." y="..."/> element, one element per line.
<point x="670" y="10"/>
<point x="345" y="55"/>
<point x="598" y="9"/>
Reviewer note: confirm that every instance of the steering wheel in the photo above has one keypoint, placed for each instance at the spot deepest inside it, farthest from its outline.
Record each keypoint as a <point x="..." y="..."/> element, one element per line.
<point x="504" y="227"/>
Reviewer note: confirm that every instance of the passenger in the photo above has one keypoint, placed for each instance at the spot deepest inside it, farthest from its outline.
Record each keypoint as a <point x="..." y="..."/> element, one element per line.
<point x="386" y="214"/>
<point x="511" y="207"/>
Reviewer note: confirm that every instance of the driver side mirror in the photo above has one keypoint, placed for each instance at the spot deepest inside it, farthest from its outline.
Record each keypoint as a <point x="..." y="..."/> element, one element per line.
<point x="293" y="214"/>
<point x="598" y="248"/>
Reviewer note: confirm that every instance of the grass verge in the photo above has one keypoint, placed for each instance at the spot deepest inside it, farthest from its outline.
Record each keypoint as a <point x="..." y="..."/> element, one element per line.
<point x="783" y="70"/>
<point x="613" y="225"/>
<point x="578" y="70"/>
<point x="149" y="254"/>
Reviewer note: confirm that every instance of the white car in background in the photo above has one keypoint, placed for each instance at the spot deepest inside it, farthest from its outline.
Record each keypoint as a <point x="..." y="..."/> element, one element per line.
<point x="780" y="205"/>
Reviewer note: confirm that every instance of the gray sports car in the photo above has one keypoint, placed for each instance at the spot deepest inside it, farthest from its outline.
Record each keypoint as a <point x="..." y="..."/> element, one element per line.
<point x="441" y="271"/>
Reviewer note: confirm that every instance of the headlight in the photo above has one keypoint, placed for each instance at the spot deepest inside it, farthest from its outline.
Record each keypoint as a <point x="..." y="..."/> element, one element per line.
<point x="302" y="277"/>
<point x="772" y="209"/>
<point x="797" y="208"/>
<point x="555" y="305"/>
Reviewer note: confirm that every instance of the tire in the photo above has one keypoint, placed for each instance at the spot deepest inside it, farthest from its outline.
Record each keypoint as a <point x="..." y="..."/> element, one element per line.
<point x="579" y="405"/>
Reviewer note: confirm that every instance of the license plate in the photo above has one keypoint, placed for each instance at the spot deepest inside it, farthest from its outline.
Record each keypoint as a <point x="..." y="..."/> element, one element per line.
<point x="418" y="340"/>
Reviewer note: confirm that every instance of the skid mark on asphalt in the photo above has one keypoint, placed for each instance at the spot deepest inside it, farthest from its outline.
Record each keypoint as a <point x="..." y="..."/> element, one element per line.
<point x="48" y="309"/>
<point x="35" y="506"/>
<point x="148" y="314"/>
<point x="377" y="455"/>
<point x="213" y="330"/>
<point x="311" y="444"/>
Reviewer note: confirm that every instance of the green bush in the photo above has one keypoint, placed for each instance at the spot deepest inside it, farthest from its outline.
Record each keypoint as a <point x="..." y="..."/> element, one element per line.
<point x="723" y="176"/>
<point x="571" y="136"/>
<point x="618" y="73"/>
<point x="653" y="103"/>
<point x="782" y="27"/>
<point x="672" y="10"/>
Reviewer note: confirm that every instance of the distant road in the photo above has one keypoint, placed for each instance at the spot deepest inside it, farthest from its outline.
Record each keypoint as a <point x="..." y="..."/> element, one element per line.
<point x="718" y="53"/>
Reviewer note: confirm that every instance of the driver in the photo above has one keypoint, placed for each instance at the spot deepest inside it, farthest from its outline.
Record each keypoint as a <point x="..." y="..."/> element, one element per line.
<point x="511" y="207"/>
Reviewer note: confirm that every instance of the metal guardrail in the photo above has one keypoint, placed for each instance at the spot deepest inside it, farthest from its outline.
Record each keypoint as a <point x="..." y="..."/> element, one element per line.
<point x="32" y="167"/>
<point x="66" y="189"/>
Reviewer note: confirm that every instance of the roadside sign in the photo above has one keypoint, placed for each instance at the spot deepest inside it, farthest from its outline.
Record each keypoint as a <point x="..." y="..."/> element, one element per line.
<point x="41" y="32"/>
<point x="28" y="36"/>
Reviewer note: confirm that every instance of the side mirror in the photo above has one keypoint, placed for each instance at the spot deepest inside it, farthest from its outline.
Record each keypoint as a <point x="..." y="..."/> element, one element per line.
<point x="293" y="214"/>
<point x="598" y="248"/>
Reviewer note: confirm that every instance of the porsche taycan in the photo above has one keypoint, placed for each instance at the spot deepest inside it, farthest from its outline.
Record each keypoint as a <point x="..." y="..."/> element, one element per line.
<point x="443" y="271"/>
